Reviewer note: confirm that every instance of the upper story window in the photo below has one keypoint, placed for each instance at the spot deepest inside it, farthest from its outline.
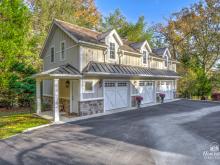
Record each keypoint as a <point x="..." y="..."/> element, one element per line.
<point x="144" y="57"/>
<point x="62" y="47"/>
<point x="112" y="50"/>
<point x="52" y="54"/>
<point x="166" y="62"/>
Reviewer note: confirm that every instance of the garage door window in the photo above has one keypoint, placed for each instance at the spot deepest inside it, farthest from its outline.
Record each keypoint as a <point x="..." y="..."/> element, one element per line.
<point x="122" y="84"/>
<point x="141" y="83"/>
<point x="109" y="84"/>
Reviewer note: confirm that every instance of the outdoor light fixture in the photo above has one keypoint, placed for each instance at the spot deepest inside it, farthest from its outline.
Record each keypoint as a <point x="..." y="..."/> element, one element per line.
<point x="67" y="84"/>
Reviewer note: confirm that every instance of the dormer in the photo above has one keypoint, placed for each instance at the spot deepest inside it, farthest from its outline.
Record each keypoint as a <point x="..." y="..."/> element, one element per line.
<point x="163" y="53"/>
<point x="113" y="42"/>
<point x="144" y="49"/>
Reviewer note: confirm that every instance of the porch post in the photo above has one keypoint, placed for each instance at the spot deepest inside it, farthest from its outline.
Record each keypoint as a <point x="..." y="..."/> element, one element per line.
<point x="38" y="95"/>
<point x="71" y="96"/>
<point x="56" y="106"/>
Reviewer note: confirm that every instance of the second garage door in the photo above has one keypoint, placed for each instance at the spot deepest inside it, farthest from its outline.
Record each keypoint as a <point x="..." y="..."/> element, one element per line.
<point x="147" y="91"/>
<point x="116" y="94"/>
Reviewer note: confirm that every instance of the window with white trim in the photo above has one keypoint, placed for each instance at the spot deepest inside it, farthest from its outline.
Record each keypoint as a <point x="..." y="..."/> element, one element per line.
<point x="88" y="87"/>
<point x="52" y="54"/>
<point x="62" y="53"/>
<point x="144" y="57"/>
<point x="112" y="50"/>
<point x="166" y="62"/>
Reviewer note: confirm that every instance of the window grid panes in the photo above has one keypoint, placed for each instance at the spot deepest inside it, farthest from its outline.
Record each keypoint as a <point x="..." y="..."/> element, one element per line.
<point x="144" y="57"/>
<point x="112" y="50"/>
<point x="122" y="84"/>
<point x="110" y="84"/>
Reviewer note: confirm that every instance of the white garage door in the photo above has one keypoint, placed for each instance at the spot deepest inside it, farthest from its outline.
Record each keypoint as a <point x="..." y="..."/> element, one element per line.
<point x="115" y="95"/>
<point x="166" y="87"/>
<point x="146" y="90"/>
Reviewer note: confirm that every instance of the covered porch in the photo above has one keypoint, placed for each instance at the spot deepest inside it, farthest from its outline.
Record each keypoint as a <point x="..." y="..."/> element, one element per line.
<point x="58" y="93"/>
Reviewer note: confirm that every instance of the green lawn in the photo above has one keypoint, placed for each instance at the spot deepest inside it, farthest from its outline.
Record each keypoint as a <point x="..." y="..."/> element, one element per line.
<point x="13" y="124"/>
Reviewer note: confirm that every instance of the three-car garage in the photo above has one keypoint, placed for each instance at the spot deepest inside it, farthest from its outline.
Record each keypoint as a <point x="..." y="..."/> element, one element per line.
<point x="117" y="94"/>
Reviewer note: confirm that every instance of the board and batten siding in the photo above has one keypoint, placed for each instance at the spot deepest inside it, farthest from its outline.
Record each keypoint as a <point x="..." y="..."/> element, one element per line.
<point x="71" y="51"/>
<point x="48" y="89"/>
<point x="91" y="54"/>
<point x="127" y="59"/>
<point x="98" y="90"/>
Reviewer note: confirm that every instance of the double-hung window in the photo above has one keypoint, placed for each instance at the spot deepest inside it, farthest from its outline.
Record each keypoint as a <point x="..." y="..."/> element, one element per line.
<point x="166" y="62"/>
<point x="112" y="50"/>
<point x="62" y="47"/>
<point x="144" y="57"/>
<point x="52" y="54"/>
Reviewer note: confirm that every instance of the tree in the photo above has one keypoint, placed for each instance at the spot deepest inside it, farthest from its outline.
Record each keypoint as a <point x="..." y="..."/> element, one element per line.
<point x="14" y="47"/>
<point x="194" y="35"/>
<point x="80" y="12"/>
<point x="133" y="32"/>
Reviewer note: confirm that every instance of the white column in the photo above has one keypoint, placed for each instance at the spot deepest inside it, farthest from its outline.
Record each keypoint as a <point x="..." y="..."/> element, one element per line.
<point x="71" y="96"/>
<point x="56" y="100"/>
<point x="38" y="95"/>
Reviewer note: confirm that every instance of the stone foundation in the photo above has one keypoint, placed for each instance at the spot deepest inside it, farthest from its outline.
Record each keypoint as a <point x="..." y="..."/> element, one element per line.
<point x="91" y="107"/>
<point x="47" y="104"/>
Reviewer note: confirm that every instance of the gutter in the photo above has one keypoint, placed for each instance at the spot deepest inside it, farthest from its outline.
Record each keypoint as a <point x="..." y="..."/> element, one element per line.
<point x="127" y="75"/>
<point x="92" y="44"/>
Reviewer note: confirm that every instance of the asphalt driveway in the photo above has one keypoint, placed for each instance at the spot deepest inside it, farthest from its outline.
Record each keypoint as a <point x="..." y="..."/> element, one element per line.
<point x="174" y="133"/>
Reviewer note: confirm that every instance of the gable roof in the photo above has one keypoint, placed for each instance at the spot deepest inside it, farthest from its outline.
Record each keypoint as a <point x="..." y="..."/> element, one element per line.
<point x="85" y="35"/>
<point x="159" y="51"/>
<point x="80" y="33"/>
<point x="98" y="68"/>
<point x="64" y="70"/>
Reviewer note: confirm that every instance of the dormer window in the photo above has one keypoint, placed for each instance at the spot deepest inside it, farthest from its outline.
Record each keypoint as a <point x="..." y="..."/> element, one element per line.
<point x="166" y="61"/>
<point x="144" y="57"/>
<point x="112" y="50"/>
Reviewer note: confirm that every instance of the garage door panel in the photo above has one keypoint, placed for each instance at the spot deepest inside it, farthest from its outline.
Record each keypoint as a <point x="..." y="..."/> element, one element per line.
<point x="116" y="95"/>
<point x="166" y="88"/>
<point x="110" y="96"/>
<point x="146" y="91"/>
<point x="121" y="97"/>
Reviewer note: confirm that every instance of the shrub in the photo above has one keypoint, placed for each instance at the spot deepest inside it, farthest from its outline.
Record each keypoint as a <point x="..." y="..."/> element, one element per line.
<point x="215" y="96"/>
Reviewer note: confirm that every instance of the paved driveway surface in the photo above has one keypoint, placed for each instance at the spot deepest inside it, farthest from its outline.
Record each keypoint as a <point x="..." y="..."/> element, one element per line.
<point x="173" y="133"/>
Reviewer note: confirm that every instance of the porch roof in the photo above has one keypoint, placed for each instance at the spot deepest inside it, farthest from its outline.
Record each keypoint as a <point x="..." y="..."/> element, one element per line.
<point x="63" y="71"/>
<point x="106" y="69"/>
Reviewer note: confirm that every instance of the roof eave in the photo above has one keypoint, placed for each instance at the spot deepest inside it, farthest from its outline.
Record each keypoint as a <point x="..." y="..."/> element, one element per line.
<point x="92" y="44"/>
<point x="127" y="75"/>
<point x="52" y="76"/>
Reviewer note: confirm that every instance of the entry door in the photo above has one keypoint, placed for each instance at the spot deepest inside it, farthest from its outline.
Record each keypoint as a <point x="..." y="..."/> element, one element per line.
<point x="116" y="95"/>
<point x="74" y="95"/>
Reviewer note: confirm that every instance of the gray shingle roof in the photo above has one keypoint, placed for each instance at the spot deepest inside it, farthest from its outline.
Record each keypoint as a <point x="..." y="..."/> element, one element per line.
<point x="125" y="70"/>
<point x="88" y="35"/>
<point x="159" y="51"/>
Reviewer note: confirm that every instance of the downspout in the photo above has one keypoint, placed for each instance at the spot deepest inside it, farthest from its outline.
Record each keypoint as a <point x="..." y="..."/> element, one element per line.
<point x="105" y="53"/>
<point x="120" y="54"/>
